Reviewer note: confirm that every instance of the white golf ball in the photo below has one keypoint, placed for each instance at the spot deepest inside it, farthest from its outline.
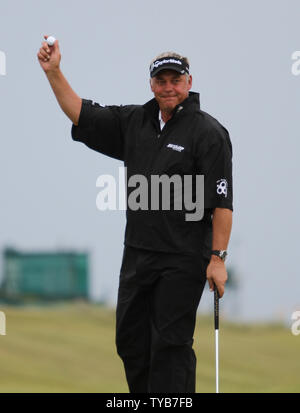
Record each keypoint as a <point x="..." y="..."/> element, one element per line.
<point x="51" y="40"/>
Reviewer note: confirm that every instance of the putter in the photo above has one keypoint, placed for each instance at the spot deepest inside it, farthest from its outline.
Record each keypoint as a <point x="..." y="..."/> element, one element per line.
<point x="216" y="311"/>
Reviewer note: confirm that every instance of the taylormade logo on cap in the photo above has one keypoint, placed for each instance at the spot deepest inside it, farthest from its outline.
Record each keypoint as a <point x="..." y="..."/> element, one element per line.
<point x="169" y="63"/>
<point x="157" y="63"/>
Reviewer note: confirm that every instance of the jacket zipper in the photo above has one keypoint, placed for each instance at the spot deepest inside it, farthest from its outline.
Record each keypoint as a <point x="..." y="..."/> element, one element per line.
<point x="161" y="136"/>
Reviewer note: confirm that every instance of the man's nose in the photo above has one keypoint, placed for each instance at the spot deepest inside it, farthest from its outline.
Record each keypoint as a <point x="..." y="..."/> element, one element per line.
<point x="168" y="86"/>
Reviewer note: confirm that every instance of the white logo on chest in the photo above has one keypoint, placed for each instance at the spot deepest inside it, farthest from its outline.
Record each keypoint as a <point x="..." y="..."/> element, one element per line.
<point x="175" y="147"/>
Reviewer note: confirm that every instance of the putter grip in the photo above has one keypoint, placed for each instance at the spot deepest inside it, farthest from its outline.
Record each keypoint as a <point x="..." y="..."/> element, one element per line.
<point x="216" y="308"/>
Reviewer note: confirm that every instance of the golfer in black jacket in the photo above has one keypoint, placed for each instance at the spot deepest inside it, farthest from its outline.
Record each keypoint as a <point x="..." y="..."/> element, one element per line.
<point x="169" y="253"/>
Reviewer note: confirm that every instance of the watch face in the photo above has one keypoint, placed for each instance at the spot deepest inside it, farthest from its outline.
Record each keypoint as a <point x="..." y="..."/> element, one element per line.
<point x="223" y="254"/>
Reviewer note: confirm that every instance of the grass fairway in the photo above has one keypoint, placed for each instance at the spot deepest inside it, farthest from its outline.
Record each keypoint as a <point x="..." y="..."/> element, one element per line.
<point x="71" y="348"/>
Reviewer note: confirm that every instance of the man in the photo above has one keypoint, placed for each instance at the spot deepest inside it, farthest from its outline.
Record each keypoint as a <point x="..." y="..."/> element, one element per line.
<point x="166" y="258"/>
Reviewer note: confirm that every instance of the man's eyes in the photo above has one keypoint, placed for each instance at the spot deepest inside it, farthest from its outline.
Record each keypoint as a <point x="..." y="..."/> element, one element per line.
<point x="162" y="82"/>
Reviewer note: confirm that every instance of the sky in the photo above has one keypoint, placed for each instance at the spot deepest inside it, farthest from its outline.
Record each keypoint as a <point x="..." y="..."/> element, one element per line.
<point x="241" y="61"/>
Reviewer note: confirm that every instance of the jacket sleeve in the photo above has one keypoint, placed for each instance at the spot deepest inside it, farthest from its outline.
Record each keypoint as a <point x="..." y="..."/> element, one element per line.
<point x="99" y="128"/>
<point x="214" y="161"/>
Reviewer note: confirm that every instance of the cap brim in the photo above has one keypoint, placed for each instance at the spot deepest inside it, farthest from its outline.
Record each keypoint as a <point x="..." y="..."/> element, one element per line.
<point x="168" y="67"/>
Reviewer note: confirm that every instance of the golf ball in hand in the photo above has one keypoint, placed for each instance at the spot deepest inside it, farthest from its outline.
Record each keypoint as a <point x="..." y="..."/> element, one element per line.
<point x="51" y="40"/>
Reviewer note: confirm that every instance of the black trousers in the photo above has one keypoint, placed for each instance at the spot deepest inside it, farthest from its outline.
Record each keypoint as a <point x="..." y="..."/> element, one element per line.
<point x="158" y="297"/>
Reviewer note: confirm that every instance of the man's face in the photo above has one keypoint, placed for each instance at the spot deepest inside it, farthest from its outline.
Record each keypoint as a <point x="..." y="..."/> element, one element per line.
<point x="170" y="88"/>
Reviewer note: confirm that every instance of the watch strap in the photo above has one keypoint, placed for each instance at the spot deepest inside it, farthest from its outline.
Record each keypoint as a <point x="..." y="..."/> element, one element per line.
<point x="220" y="253"/>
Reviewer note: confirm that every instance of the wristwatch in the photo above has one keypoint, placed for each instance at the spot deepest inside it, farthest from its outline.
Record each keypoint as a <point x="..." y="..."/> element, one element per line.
<point x="220" y="253"/>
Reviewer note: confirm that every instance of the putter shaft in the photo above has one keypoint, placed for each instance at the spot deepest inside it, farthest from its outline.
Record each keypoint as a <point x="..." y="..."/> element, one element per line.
<point x="216" y="314"/>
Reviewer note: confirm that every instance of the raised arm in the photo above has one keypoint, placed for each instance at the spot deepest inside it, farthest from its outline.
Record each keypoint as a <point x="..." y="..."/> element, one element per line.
<point x="49" y="58"/>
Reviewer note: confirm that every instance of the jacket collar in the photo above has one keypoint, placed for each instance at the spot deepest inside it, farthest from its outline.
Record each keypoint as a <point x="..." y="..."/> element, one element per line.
<point x="191" y="103"/>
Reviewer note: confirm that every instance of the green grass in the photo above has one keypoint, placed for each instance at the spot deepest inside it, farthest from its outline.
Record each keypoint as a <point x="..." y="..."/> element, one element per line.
<point x="71" y="348"/>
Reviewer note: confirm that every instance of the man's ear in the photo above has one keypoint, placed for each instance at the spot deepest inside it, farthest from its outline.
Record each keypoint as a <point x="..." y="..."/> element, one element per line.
<point x="190" y="82"/>
<point x="150" y="81"/>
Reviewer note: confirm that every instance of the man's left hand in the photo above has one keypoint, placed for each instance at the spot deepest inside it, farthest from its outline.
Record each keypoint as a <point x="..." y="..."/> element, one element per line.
<point x="216" y="274"/>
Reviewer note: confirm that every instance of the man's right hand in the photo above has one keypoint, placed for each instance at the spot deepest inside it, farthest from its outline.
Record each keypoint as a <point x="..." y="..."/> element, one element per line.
<point x="49" y="56"/>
